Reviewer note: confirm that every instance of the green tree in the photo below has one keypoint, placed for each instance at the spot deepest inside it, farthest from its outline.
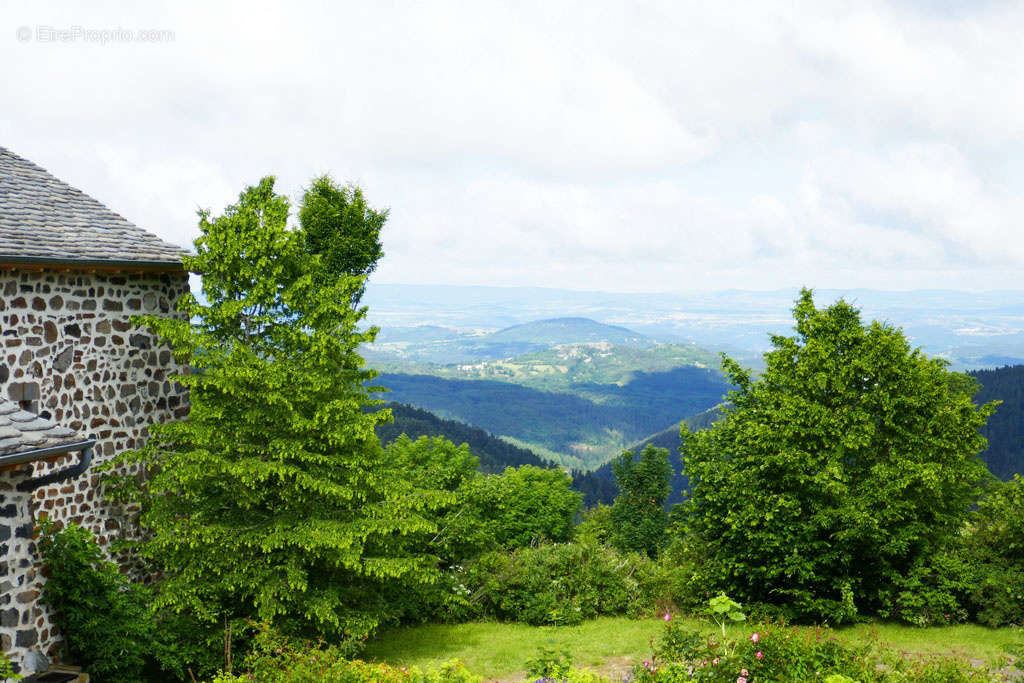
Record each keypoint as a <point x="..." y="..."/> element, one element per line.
<point x="850" y="458"/>
<point x="513" y="509"/>
<point x="274" y="500"/>
<point x="338" y="225"/>
<point x="995" y="545"/>
<point x="638" y="515"/>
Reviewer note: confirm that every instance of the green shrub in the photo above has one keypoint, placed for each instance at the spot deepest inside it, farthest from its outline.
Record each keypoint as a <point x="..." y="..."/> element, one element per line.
<point x="998" y="598"/>
<point x="550" y="663"/>
<point x="561" y="583"/>
<point x="774" y="653"/>
<point x="105" y="620"/>
<point x="935" y="591"/>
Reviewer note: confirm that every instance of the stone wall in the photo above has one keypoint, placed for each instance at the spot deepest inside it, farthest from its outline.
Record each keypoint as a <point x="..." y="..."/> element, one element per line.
<point x="24" y="621"/>
<point x="69" y="352"/>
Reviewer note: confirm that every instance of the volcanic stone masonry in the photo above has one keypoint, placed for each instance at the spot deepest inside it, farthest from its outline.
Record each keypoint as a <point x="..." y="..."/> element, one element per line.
<point x="24" y="623"/>
<point x="69" y="352"/>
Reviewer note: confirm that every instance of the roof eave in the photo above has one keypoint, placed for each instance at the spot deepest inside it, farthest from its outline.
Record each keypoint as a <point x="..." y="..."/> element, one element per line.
<point x="9" y="262"/>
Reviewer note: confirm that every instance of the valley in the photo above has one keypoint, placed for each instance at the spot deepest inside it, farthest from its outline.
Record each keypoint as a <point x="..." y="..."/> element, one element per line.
<point x="584" y="392"/>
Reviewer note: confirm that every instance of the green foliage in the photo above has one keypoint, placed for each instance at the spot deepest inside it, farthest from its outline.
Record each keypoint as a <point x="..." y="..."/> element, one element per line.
<point x="935" y="591"/>
<point x="274" y="499"/>
<point x="770" y="652"/>
<point x="723" y="609"/>
<point x="561" y="584"/>
<point x="341" y="228"/>
<point x="595" y="526"/>
<point x="521" y="506"/>
<point x="638" y="516"/>
<point x="7" y="672"/>
<point x="550" y="662"/>
<point x="679" y="642"/>
<point x="849" y="460"/>
<point x="995" y="544"/>
<point x="104" y="619"/>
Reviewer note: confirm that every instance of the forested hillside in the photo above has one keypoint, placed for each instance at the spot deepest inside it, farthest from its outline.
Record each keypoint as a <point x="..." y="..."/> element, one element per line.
<point x="580" y="431"/>
<point x="598" y="486"/>
<point x="494" y="454"/>
<point x="1005" y="429"/>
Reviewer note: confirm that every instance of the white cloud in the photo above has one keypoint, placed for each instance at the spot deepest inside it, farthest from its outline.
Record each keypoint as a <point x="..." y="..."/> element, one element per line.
<point x="653" y="146"/>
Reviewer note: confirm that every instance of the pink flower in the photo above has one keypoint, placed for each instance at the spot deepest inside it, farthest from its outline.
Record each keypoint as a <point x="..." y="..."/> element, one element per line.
<point x="714" y="661"/>
<point x="759" y="654"/>
<point x="744" y="672"/>
<point x="741" y="679"/>
<point x="667" y="617"/>
<point x="754" y="638"/>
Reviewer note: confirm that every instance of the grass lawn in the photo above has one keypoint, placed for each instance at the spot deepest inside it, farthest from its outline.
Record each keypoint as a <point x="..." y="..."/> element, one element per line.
<point x="500" y="651"/>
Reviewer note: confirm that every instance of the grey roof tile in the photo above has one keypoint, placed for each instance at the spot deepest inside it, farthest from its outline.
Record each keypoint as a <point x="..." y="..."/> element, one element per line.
<point x="44" y="218"/>
<point x="22" y="431"/>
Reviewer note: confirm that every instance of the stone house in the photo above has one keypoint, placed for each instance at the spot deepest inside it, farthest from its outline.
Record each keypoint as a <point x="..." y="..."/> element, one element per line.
<point x="72" y="275"/>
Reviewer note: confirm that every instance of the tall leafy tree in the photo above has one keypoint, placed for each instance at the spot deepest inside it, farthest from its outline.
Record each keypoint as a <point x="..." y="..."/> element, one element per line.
<point x="274" y="500"/>
<point x="849" y="459"/>
<point x="638" y="514"/>
<point x="342" y="228"/>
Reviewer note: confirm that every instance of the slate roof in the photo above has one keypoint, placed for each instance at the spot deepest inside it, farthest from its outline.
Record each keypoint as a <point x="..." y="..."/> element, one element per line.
<point x="45" y="220"/>
<point x="22" y="431"/>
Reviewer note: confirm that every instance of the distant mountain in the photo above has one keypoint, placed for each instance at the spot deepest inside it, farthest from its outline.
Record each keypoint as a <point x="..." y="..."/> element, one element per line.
<point x="555" y="331"/>
<point x="570" y="429"/>
<point x="494" y="454"/>
<point x="583" y="368"/>
<point x="417" y="348"/>
<point x="1005" y="429"/>
<point x="421" y="334"/>
<point x="968" y="328"/>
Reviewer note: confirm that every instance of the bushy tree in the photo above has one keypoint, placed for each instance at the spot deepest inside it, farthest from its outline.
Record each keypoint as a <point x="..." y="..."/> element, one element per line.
<point x="338" y="225"/>
<point x="274" y="500"/>
<point x="995" y="547"/>
<point x="639" y="518"/>
<point x="851" y="457"/>
<point x="521" y="506"/>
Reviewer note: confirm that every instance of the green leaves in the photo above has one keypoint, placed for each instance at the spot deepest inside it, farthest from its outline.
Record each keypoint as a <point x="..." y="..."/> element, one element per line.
<point x="851" y="456"/>
<point x="341" y="228"/>
<point x="638" y="515"/>
<point x="274" y="500"/>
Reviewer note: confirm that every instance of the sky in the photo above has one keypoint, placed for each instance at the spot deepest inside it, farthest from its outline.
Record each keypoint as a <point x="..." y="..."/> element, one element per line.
<point x="628" y="147"/>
